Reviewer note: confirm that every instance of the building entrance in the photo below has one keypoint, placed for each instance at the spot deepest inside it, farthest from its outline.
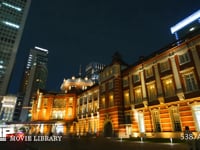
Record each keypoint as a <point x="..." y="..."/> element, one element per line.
<point x="108" y="129"/>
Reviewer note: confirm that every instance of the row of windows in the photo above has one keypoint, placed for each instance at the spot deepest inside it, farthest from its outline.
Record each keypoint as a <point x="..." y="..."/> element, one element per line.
<point x="164" y="66"/>
<point x="4" y="47"/>
<point x="107" y="102"/>
<point x="108" y="72"/>
<point x="168" y="85"/>
<point x="110" y="86"/>
<point x="61" y="114"/>
<point x="88" y="108"/>
<point x="89" y="98"/>
<point x="10" y="15"/>
<point x="5" y="56"/>
<point x="6" y="27"/>
<point x="58" y="103"/>
<point x="6" y="113"/>
<point x="3" y="39"/>
<point x="8" y="32"/>
<point x="190" y="85"/>
<point x="175" y="119"/>
<point x="19" y="3"/>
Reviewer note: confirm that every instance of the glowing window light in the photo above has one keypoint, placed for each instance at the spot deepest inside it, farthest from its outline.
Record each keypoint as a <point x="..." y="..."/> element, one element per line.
<point x="11" y="24"/>
<point x="192" y="29"/>
<point x="42" y="49"/>
<point x="12" y="6"/>
<point x="1" y="66"/>
<point x="185" y="22"/>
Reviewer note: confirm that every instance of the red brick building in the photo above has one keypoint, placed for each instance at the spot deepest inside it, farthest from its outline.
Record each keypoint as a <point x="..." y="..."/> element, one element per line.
<point x="155" y="97"/>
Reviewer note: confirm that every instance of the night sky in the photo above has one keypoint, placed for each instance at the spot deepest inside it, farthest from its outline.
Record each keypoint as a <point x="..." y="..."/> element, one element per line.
<point x="77" y="32"/>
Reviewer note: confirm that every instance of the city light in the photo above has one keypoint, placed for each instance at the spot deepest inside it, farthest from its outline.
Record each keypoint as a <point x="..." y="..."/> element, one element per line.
<point x="12" y="6"/>
<point x="185" y="22"/>
<point x="11" y="24"/>
<point x="42" y="49"/>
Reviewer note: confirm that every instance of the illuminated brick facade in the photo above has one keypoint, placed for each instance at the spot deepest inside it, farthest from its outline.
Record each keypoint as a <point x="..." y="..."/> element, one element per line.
<point x="53" y="112"/>
<point x="87" y="111"/>
<point x="155" y="97"/>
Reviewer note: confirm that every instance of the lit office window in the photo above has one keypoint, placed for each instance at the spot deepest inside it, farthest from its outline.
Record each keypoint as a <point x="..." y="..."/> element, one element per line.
<point x="164" y="66"/>
<point x="138" y="95"/>
<point x="126" y="98"/>
<point x="95" y="96"/>
<point x="45" y="102"/>
<point x="103" y="88"/>
<point x="110" y="85"/>
<point x="175" y="117"/>
<point x="156" y="120"/>
<point x="196" y="112"/>
<point x="168" y="87"/>
<point x="58" y="114"/>
<point x="90" y="98"/>
<point x="70" y="100"/>
<point x="103" y="104"/>
<point x="141" y="122"/>
<point x="149" y="72"/>
<point x="190" y="82"/>
<point x="84" y="109"/>
<point x="10" y="24"/>
<point x="12" y="6"/>
<point x="80" y="110"/>
<point x="44" y="113"/>
<point x="184" y="58"/>
<point x="152" y="94"/>
<point x="136" y="78"/>
<point x="125" y="82"/>
<point x="95" y="106"/>
<point x="59" y="103"/>
<point x="111" y="100"/>
<point x="89" y="108"/>
<point x="69" y="112"/>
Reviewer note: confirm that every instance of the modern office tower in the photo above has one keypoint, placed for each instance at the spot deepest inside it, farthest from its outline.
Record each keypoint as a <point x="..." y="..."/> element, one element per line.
<point x="13" y="14"/>
<point x="35" y="77"/>
<point x="18" y="108"/>
<point x="188" y="26"/>
<point x="92" y="71"/>
<point x="8" y="107"/>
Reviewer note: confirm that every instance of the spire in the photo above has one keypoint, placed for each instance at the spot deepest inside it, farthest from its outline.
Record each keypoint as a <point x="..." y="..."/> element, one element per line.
<point x="80" y="71"/>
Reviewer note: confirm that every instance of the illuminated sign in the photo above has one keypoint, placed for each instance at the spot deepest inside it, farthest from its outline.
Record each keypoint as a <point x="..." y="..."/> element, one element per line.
<point x="185" y="22"/>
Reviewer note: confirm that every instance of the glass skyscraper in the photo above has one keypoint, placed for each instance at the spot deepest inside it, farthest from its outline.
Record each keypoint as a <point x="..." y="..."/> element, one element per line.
<point x="35" y="77"/>
<point x="13" y="14"/>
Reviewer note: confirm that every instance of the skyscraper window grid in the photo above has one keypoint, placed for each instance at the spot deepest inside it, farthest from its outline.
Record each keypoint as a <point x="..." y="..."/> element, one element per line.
<point x="12" y="20"/>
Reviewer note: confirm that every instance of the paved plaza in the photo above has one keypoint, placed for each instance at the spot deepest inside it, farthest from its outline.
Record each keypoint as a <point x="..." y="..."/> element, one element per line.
<point x="91" y="144"/>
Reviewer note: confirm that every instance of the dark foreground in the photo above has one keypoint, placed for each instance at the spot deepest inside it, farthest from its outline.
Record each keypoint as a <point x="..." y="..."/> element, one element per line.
<point x="90" y="144"/>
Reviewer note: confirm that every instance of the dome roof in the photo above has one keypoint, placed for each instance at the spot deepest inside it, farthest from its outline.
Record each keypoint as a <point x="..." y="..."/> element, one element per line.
<point x="77" y="83"/>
